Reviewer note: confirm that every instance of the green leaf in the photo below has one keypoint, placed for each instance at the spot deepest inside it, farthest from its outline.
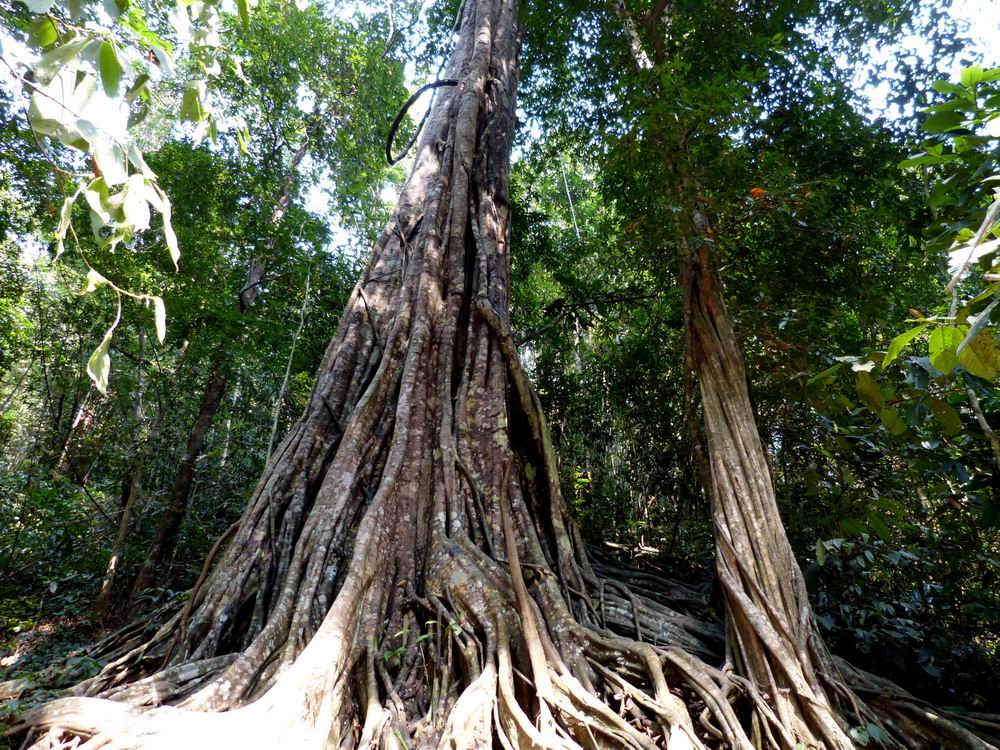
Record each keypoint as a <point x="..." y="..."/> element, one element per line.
<point x="529" y="472"/>
<point x="99" y="364"/>
<point x="947" y="87"/>
<point x="942" y="122"/>
<point x="879" y="526"/>
<point x="94" y="281"/>
<point x="160" y="317"/>
<point x="191" y="109"/>
<point x="943" y="345"/>
<point x="825" y="377"/>
<point x="111" y="68"/>
<point x="137" y="87"/>
<point x="852" y="527"/>
<point x="243" y="8"/>
<point x="971" y="76"/>
<point x="820" y="552"/>
<point x="42" y="32"/>
<point x="860" y="735"/>
<point x="980" y="357"/>
<point x="891" y="420"/>
<point x="100" y="205"/>
<point x="869" y="393"/>
<point x="899" y="343"/>
<point x="945" y="415"/>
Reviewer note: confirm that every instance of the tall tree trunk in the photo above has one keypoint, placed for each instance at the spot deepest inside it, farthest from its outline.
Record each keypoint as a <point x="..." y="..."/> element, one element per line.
<point x="406" y="574"/>
<point x="164" y="542"/>
<point x="769" y="617"/>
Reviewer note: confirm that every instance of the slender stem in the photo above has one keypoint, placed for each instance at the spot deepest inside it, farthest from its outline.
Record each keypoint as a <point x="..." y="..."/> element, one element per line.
<point x="288" y="367"/>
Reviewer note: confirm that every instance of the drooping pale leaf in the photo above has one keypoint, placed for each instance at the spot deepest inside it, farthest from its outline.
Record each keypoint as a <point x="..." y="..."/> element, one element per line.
<point x="981" y="357"/>
<point x="99" y="364"/>
<point x="191" y="109"/>
<point x="164" y="58"/>
<point x="111" y="68"/>
<point x="134" y="205"/>
<point x="160" y="317"/>
<point x="100" y="205"/>
<point x="52" y="62"/>
<point x="168" y="230"/>
<point x="94" y="281"/>
<point x="899" y="343"/>
<point x="55" y="108"/>
<point x="181" y="22"/>
<point x="136" y="159"/>
<point x="110" y="160"/>
<point x="820" y="552"/>
<point x="868" y="392"/>
<point x="64" y="218"/>
<point x="943" y="347"/>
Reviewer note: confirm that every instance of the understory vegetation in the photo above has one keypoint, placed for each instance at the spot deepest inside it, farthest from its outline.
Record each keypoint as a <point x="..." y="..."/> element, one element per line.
<point x="678" y="428"/>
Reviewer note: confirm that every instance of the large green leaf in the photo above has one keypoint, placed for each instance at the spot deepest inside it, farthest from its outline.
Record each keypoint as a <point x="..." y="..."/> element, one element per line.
<point x="899" y="343"/>
<point x="945" y="415"/>
<point x="980" y="356"/>
<point x="868" y="392"/>
<point x="943" y="346"/>
<point x="42" y="32"/>
<point x="891" y="420"/>
<point x="111" y="69"/>
<point x="942" y="122"/>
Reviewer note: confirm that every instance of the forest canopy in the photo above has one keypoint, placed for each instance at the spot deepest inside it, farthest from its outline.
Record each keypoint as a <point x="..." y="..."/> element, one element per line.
<point x="499" y="374"/>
